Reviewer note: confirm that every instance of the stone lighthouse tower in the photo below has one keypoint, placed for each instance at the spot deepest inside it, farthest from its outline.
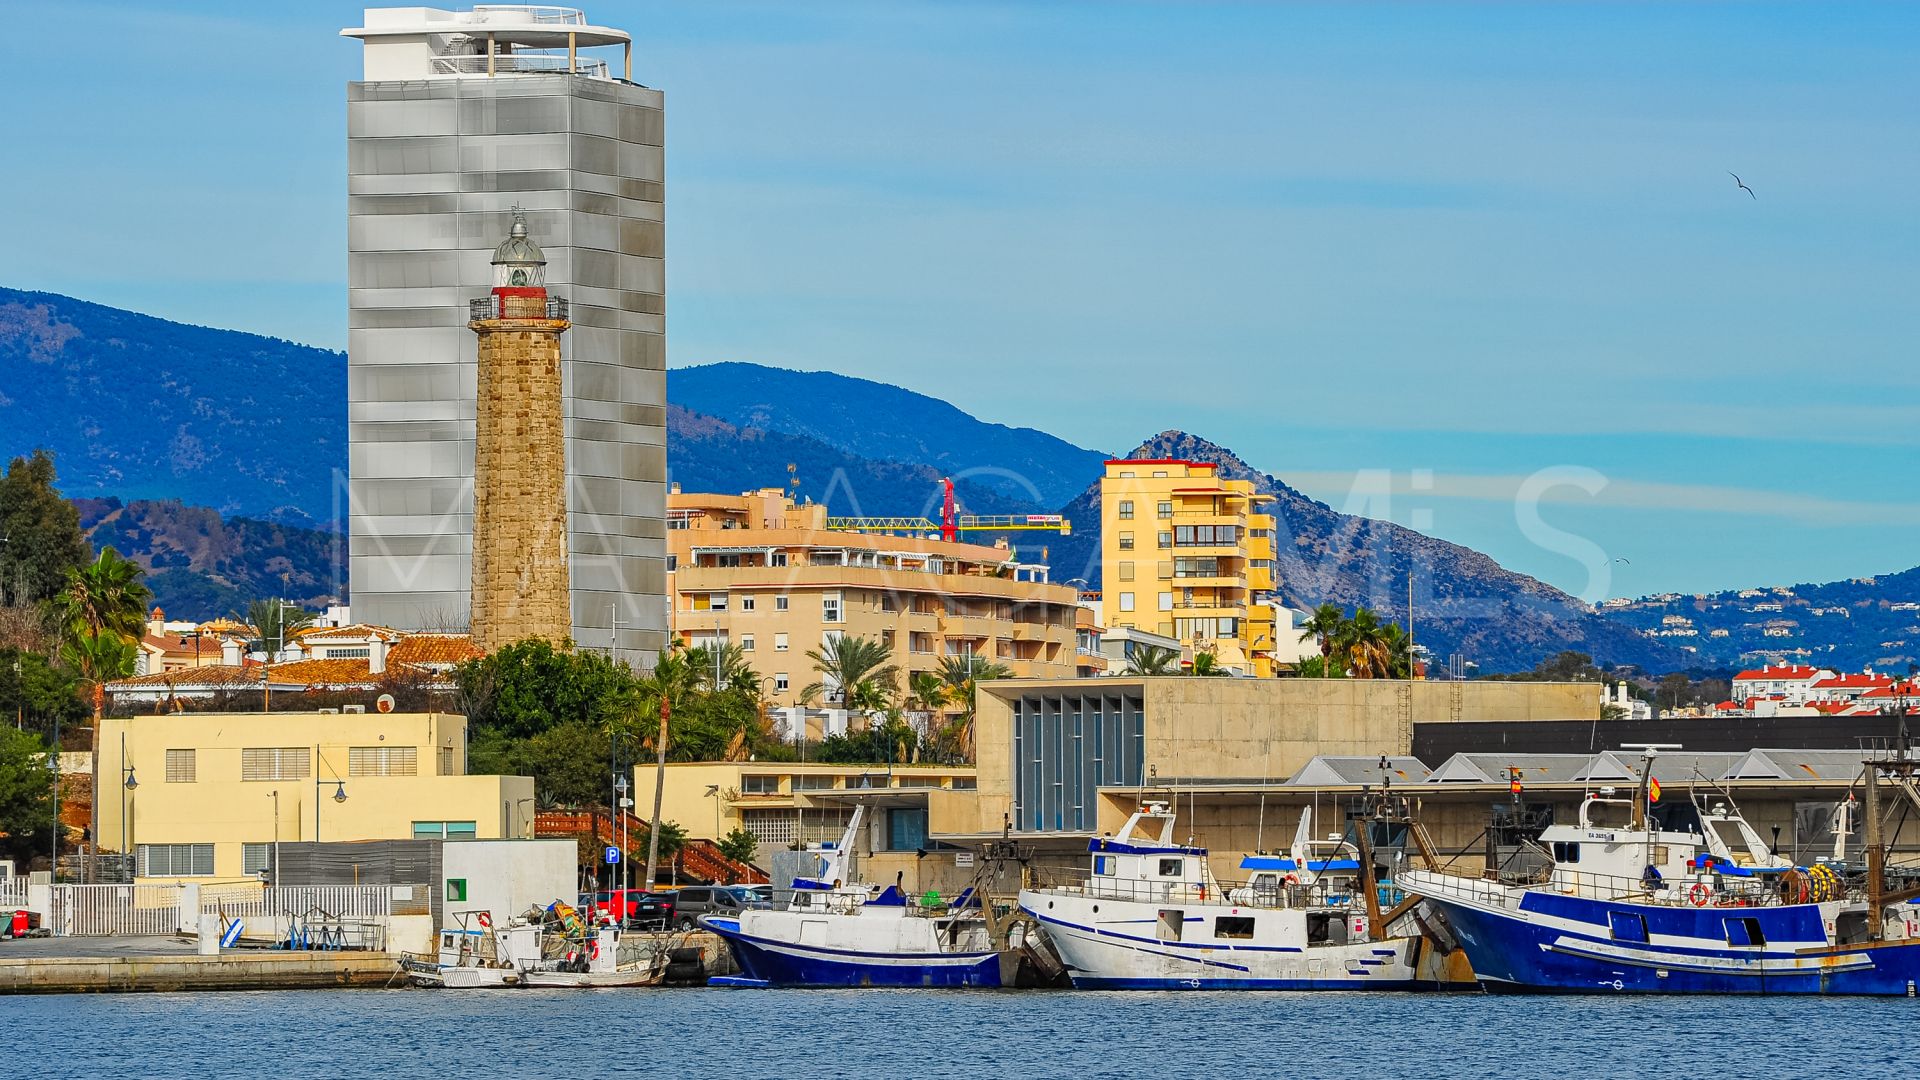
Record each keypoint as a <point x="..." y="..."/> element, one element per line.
<point x="520" y="586"/>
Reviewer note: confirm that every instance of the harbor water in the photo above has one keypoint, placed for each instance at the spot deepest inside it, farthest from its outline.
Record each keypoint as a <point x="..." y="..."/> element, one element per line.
<point x="903" y="1034"/>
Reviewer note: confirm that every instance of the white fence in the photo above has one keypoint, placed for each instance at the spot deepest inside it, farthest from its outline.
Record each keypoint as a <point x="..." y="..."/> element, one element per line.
<point x="113" y="910"/>
<point x="155" y="910"/>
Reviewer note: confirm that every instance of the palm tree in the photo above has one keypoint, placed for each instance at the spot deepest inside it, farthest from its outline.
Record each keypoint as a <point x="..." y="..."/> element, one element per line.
<point x="274" y="622"/>
<point x="734" y="670"/>
<point x="1325" y="625"/>
<point x="927" y="692"/>
<point x="1152" y="660"/>
<point x="1206" y="664"/>
<point x="1398" y="649"/>
<point x="857" y="671"/>
<point x="101" y="613"/>
<point x="1362" y="643"/>
<point x="962" y="676"/>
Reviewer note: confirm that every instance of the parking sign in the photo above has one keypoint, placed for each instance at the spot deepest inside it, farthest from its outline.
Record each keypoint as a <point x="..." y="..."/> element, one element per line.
<point x="613" y="855"/>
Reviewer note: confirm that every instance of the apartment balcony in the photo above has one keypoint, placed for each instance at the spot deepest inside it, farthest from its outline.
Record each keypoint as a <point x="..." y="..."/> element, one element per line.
<point x="906" y="582"/>
<point x="1208" y="581"/>
<point x="968" y="626"/>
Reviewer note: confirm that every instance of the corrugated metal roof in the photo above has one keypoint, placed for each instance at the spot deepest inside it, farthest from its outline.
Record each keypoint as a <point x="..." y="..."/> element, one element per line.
<point x="1324" y="770"/>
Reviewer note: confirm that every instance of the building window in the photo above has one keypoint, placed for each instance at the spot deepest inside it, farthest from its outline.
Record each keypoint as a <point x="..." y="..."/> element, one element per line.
<point x="814" y="783"/>
<point x="1126" y="601"/>
<point x="966" y="783"/>
<point x="770" y="826"/>
<point x="780" y="680"/>
<point x="779" y="558"/>
<point x="1159" y="474"/>
<point x="746" y="642"/>
<point x="828" y="638"/>
<point x="256" y="858"/>
<point x="1166" y="539"/>
<point x="717" y="602"/>
<point x="444" y="830"/>
<point x="830" y="608"/>
<point x="673" y="561"/>
<point x="360" y="653"/>
<point x="383" y="761"/>
<point x="274" y="763"/>
<point x="780" y="642"/>
<point x="176" y="860"/>
<point x="1126" y="541"/>
<point x="1126" y="509"/>
<point x="746" y="603"/>
<point x="760" y="784"/>
<point x="1166" y="601"/>
<point x="907" y="828"/>
<point x="1164" y="510"/>
<point x="448" y="763"/>
<point x="1125" y="571"/>
<point x="180" y="767"/>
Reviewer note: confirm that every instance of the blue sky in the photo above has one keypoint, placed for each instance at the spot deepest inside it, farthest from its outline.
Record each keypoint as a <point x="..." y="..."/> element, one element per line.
<point x="1446" y="247"/>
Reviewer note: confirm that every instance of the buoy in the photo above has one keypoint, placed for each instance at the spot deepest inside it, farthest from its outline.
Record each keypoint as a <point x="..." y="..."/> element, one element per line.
<point x="1699" y="894"/>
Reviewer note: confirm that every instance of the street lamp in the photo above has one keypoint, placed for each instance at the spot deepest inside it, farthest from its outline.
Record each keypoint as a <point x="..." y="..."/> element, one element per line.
<point x="339" y="790"/>
<point x="127" y="783"/>
<point x="621" y="803"/>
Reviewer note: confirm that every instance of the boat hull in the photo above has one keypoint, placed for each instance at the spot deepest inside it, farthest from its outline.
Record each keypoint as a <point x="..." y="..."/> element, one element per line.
<point x="776" y="959"/>
<point x="589" y="980"/>
<point x="1110" y="944"/>
<point x="1570" y="948"/>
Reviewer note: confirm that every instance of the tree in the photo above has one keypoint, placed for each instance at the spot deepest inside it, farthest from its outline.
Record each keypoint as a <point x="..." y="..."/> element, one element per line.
<point x="37" y="694"/>
<point x="1206" y="664"/>
<point x="962" y="676"/>
<point x="927" y="692"/>
<point x="738" y="845"/>
<point x="856" y="671"/>
<point x="42" y="533"/>
<point x="26" y="796"/>
<point x="568" y="763"/>
<point x="1153" y="660"/>
<point x="529" y="686"/>
<point x="1324" y="626"/>
<point x="1362" y="644"/>
<point x="1317" y="667"/>
<point x="105" y="596"/>
<point x="1399" y="651"/>
<point x="275" y="622"/>
<point x="734" y="670"/>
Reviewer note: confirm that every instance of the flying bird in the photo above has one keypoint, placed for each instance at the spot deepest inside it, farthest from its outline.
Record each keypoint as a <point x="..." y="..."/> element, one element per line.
<point x="1742" y="185"/>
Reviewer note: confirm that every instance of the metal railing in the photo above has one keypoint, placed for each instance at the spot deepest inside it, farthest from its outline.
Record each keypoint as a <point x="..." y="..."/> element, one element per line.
<point x="114" y="910"/>
<point x="520" y="63"/>
<point x="490" y="307"/>
<point x="1074" y="881"/>
<point x="340" y="901"/>
<point x="548" y="14"/>
<point x="1680" y="892"/>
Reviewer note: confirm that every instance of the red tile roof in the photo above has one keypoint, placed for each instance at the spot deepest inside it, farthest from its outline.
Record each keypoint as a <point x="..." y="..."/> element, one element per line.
<point x="1850" y="681"/>
<point x="1784" y="671"/>
<point x="434" y="649"/>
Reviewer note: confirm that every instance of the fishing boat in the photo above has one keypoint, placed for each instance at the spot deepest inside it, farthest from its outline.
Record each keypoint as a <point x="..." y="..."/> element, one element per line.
<point x="1627" y="904"/>
<point x="572" y="953"/>
<point x="837" y="934"/>
<point x="1149" y="914"/>
<point x="473" y="954"/>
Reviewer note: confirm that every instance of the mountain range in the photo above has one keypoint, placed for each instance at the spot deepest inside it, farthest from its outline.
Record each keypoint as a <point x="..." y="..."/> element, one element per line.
<point x="203" y="453"/>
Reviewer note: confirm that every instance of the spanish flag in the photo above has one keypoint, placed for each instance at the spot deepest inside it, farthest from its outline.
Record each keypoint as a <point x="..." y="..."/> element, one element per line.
<point x="1653" y="789"/>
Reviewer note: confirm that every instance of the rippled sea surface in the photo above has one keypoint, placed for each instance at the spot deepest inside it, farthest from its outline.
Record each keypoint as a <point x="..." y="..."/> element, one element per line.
<point x="923" y="1033"/>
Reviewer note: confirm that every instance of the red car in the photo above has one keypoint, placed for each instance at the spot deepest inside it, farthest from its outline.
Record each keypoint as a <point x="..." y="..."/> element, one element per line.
<point x="642" y="910"/>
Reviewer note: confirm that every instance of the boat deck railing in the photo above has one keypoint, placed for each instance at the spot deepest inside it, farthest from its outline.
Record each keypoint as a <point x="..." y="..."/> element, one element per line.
<point x="1492" y="890"/>
<point x="1062" y="881"/>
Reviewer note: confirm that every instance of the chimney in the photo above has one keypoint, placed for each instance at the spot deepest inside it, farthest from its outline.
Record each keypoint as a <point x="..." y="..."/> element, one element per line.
<point x="376" y="653"/>
<point x="230" y="652"/>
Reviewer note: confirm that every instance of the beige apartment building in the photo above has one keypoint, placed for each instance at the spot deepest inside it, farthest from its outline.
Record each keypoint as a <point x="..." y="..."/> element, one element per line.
<point x="1185" y="554"/>
<point x="762" y="572"/>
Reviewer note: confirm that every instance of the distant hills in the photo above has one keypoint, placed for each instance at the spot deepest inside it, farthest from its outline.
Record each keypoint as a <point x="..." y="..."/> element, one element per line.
<point x="885" y="423"/>
<point x="1868" y="622"/>
<point x="141" y="408"/>
<point x="204" y="454"/>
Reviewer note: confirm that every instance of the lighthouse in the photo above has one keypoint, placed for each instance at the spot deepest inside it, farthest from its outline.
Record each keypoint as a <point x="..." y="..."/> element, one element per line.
<point x="520" y="578"/>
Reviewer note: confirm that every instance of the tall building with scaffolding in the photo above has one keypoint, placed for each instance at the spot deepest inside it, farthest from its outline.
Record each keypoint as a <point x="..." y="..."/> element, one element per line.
<point x="462" y="117"/>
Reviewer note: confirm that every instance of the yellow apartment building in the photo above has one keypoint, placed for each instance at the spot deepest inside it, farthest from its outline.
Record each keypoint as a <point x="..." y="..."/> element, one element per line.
<point x="204" y="796"/>
<point x="784" y="803"/>
<point x="1185" y="554"/>
<point x="762" y="572"/>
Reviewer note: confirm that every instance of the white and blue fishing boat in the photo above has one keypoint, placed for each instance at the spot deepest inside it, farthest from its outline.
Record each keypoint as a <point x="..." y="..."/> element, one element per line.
<point x="836" y="934"/>
<point x="1627" y="905"/>
<point x="1151" y="916"/>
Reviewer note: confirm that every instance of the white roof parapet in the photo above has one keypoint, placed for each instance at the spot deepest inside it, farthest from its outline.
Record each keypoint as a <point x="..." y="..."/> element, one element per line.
<point x="535" y="26"/>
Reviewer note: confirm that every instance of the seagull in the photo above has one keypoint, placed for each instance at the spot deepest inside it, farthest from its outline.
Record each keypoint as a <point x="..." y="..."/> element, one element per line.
<point x="1742" y="185"/>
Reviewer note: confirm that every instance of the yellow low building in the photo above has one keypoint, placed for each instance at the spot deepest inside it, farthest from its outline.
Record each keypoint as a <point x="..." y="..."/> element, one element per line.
<point x="784" y="803"/>
<point x="204" y="796"/>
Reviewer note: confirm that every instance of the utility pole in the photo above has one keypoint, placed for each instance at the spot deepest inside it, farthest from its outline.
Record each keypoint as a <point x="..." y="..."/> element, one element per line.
<point x="659" y="790"/>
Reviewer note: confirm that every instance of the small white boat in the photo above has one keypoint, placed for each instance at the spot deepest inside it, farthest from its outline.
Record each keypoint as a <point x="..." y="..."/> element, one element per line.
<point x="1151" y="915"/>
<point x="600" y="958"/>
<point x="474" y="955"/>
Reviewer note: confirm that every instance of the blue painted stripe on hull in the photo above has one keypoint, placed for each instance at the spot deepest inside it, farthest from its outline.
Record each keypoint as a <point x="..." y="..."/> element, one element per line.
<point x="1083" y="982"/>
<point x="777" y="968"/>
<point x="1513" y="955"/>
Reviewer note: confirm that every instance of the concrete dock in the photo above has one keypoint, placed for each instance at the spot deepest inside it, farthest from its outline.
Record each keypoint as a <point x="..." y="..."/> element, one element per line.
<point x="153" y="964"/>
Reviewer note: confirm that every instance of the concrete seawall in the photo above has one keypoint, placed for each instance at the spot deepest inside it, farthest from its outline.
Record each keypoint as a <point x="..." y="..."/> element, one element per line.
<point x="233" y="971"/>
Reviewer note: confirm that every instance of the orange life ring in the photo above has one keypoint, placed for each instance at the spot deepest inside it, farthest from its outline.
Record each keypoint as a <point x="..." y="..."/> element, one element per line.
<point x="486" y="920"/>
<point x="1699" y="894"/>
<point x="1290" y="879"/>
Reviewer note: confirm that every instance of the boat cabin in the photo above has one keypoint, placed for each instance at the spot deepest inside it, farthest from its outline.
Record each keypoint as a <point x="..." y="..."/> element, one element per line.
<point x="1143" y="861"/>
